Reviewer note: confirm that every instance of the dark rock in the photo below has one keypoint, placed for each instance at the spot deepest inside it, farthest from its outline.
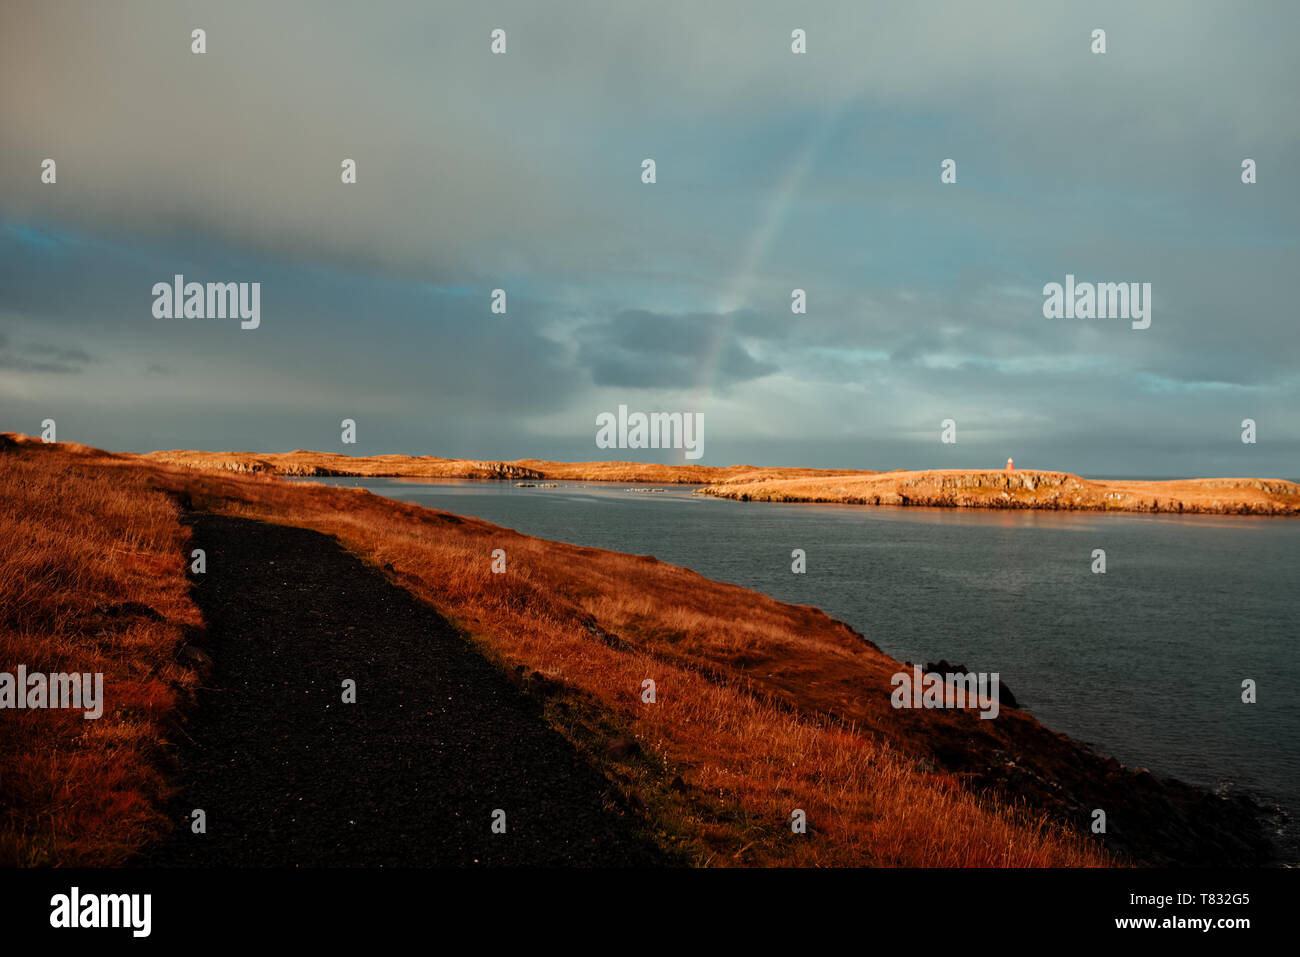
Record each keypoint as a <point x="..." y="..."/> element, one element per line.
<point x="621" y="748"/>
<point x="1005" y="697"/>
<point x="536" y="683"/>
<point x="944" y="667"/>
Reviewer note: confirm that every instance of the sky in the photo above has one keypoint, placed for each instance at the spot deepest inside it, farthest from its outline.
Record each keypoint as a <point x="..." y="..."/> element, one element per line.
<point x="775" y="171"/>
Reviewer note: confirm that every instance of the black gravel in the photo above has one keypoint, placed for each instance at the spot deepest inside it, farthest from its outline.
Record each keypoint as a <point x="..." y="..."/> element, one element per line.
<point x="410" y="775"/>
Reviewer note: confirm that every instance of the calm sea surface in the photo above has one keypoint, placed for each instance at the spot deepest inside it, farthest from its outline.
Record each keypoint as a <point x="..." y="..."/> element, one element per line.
<point x="1144" y="662"/>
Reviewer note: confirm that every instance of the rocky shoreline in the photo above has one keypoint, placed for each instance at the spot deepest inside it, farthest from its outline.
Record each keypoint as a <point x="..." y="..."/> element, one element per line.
<point x="1150" y="821"/>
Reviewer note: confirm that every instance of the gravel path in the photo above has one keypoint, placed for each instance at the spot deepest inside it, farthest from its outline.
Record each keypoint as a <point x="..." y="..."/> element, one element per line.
<point x="409" y="775"/>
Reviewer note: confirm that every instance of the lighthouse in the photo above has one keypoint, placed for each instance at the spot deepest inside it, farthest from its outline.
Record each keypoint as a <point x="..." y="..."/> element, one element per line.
<point x="1011" y="466"/>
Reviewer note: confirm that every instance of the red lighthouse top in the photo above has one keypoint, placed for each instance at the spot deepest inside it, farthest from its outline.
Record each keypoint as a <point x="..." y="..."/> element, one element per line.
<point x="1011" y="466"/>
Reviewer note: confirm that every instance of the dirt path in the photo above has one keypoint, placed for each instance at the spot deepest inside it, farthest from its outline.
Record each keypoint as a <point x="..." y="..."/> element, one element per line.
<point x="409" y="775"/>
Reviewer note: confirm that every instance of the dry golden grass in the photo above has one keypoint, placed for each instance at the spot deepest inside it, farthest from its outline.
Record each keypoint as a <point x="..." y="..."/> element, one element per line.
<point x="762" y="707"/>
<point x="981" y="488"/>
<point x="429" y="466"/>
<point x="79" y="544"/>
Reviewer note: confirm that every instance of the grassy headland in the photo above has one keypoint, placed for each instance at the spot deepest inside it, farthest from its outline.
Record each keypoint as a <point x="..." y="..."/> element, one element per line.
<point x="975" y="488"/>
<point x="301" y="463"/>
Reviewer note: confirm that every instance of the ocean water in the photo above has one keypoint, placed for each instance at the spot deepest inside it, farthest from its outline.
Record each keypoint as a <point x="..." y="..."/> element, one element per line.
<point x="1144" y="662"/>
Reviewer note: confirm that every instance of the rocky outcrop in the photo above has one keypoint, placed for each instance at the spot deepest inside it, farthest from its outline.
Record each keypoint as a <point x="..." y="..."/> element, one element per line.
<point x="303" y="470"/>
<point x="504" y="470"/>
<point x="943" y="669"/>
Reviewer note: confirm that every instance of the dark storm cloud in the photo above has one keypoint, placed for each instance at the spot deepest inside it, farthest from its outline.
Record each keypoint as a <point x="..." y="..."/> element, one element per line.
<point x="42" y="357"/>
<point x="641" y="349"/>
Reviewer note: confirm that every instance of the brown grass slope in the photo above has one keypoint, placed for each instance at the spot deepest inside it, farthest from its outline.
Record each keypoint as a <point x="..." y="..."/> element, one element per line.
<point x="91" y="580"/>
